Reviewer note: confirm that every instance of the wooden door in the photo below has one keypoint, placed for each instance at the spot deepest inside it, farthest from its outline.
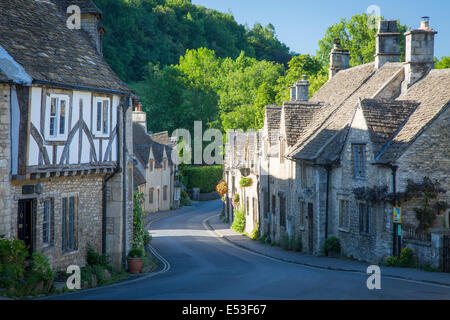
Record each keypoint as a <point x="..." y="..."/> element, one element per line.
<point x="25" y="223"/>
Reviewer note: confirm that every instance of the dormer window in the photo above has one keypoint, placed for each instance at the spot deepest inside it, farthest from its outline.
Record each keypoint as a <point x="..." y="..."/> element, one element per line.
<point x="57" y="116"/>
<point x="102" y="108"/>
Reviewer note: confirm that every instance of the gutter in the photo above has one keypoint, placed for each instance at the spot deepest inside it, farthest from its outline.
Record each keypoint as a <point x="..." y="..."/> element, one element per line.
<point x="80" y="87"/>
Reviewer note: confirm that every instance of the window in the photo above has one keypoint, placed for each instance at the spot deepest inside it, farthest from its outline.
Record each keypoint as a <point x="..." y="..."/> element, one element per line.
<point x="282" y="211"/>
<point x="69" y="224"/>
<point x="274" y="204"/>
<point x="304" y="176"/>
<point x="165" y="193"/>
<point x="150" y="195"/>
<point x="364" y="219"/>
<point x="151" y="165"/>
<point x="48" y="223"/>
<point x="359" y="160"/>
<point x="165" y="164"/>
<point x="344" y="214"/>
<point x="302" y="213"/>
<point x="266" y="204"/>
<point x="57" y="117"/>
<point x="101" y="116"/>
<point x="247" y="208"/>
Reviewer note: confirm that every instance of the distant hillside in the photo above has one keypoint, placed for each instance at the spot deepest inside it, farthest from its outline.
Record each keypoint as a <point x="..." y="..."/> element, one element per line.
<point x="160" y="31"/>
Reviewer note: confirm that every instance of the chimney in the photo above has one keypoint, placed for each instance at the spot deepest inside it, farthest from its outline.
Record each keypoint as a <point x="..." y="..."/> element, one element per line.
<point x="339" y="58"/>
<point x="140" y="116"/>
<point x="387" y="43"/>
<point x="419" y="52"/>
<point x="90" y="23"/>
<point x="300" y="90"/>
<point x="303" y="89"/>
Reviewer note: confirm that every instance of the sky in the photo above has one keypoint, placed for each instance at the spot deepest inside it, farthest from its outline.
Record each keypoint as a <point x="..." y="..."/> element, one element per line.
<point x="301" y="24"/>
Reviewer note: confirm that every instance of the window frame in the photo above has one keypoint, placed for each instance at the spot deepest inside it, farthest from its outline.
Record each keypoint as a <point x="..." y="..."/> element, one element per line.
<point x="68" y="233"/>
<point x="164" y="193"/>
<point x="360" y="161"/>
<point x="364" y="218"/>
<point x="151" y="192"/>
<point x="48" y="224"/>
<point x="95" y="117"/>
<point x="302" y="214"/>
<point x="58" y="136"/>
<point x="283" y="211"/>
<point x="343" y="215"/>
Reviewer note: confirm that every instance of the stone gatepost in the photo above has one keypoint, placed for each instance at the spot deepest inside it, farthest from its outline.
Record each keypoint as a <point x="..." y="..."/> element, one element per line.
<point x="437" y="246"/>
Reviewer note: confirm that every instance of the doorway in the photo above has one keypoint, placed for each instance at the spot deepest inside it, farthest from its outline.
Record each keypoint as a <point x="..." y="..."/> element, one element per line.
<point x="311" y="227"/>
<point x="25" y="222"/>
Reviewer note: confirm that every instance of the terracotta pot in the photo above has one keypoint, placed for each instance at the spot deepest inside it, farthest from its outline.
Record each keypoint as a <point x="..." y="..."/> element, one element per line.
<point x="134" y="265"/>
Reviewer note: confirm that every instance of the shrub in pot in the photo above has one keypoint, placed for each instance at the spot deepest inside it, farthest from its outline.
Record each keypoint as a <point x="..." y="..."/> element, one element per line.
<point x="332" y="246"/>
<point x="134" y="260"/>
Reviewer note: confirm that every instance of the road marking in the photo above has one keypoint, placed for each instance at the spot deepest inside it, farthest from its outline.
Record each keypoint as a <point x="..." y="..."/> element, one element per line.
<point x="220" y="237"/>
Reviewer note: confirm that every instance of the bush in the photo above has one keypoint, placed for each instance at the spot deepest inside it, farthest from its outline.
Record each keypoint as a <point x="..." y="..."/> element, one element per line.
<point x="136" y="252"/>
<point x="204" y="177"/>
<point x="96" y="259"/>
<point x="255" y="233"/>
<point x="284" y="241"/>
<point x="296" y="244"/>
<point x="332" y="244"/>
<point x="184" y="199"/>
<point x="140" y="235"/>
<point x="407" y="259"/>
<point x="238" y="224"/>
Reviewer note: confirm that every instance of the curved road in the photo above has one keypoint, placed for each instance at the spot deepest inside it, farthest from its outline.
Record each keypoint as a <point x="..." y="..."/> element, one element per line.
<point x="204" y="266"/>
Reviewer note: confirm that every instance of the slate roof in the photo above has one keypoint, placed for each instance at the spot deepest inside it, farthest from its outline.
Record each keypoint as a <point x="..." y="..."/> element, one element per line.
<point x="343" y="92"/>
<point x="143" y="143"/>
<point x="138" y="177"/>
<point x="35" y="34"/>
<point x="86" y="6"/>
<point x="272" y="121"/>
<point x="433" y="94"/>
<point x="384" y="118"/>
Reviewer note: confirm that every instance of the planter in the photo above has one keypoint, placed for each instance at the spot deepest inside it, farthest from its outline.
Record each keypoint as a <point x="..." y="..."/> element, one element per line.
<point x="134" y="265"/>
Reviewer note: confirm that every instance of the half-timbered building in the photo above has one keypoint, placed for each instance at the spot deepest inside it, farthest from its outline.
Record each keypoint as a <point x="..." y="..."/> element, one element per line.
<point x="66" y="165"/>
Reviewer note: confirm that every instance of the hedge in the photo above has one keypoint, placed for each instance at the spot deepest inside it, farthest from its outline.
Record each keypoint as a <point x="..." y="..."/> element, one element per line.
<point x="204" y="177"/>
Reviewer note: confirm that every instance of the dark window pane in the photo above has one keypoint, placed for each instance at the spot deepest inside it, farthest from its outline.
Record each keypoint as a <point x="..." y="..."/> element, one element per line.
<point x="64" y="229"/>
<point x="105" y="116"/>
<point x="62" y="117"/>
<point x="71" y="243"/>
<point x="99" y="116"/>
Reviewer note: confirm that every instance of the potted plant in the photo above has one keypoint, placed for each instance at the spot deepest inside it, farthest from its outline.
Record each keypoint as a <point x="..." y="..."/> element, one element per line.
<point x="134" y="260"/>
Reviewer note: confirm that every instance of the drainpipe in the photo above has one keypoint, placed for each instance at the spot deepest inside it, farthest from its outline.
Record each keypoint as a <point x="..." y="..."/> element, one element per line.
<point x="124" y="182"/>
<point x="328" y="168"/>
<point x="394" y="225"/>
<point x="268" y="199"/>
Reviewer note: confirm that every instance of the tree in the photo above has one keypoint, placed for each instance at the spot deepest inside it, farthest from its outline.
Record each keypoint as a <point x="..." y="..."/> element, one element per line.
<point x="444" y="63"/>
<point x="356" y="36"/>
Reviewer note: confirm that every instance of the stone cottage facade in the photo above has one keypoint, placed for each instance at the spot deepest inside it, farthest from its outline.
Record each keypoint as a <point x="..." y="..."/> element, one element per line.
<point x="370" y="127"/>
<point x="153" y="153"/>
<point x="65" y="136"/>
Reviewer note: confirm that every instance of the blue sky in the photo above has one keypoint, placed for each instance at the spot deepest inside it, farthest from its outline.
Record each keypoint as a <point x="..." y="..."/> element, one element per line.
<point x="301" y="24"/>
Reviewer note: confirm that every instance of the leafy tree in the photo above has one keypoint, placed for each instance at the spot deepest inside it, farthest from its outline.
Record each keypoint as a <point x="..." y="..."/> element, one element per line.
<point x="444" y="63"/>
<point x="358" y="37"/>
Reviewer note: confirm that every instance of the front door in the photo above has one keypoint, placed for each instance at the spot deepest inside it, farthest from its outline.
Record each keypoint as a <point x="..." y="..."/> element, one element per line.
<point x="311" y="227"/>
<point x="25" y="222"/>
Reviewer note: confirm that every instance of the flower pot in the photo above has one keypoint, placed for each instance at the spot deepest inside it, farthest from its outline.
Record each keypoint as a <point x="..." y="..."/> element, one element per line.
<point x="134" y="265"/>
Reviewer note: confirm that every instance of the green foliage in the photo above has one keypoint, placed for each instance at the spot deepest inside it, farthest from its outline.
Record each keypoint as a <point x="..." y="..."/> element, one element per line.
<point x="296" y="244"/>
<point x="22" y="273"/>
<point x="203" y="177"/>
<point x="255" y="233"/>
<point x="136" y="252"/>
<point x="332" y="244"/>
<point x="184" y="198"/>
<point x="141" y="236"/>
<point x="357" y="37"/>
<point x="284" y="241"/>
<point x="238" y="224"/>
<point x="160" y="31"/>
<point x="94" y="258"/>
<point x="444" y="63"/>
<point x="246" y="182"/>
<point x="407" y="259"/>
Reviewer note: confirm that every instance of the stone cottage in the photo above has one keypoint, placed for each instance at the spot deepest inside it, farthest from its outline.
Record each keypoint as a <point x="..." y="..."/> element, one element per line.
<point x="65" y="135"/>
<point x="153" y="153"/>
<point x="370" y="127"/>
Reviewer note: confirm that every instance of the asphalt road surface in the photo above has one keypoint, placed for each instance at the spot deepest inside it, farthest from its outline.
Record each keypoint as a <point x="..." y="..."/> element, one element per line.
<point x="198" y="265"/>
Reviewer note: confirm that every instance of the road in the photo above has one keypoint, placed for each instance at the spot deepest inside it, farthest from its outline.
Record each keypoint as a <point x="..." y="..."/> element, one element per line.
<point x="201" y="265"/>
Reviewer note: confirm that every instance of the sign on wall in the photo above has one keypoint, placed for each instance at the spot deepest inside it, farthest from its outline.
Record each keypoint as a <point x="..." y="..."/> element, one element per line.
<point x="397" y="215"/>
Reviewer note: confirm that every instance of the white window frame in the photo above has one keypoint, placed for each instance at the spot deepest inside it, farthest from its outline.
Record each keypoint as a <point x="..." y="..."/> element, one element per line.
<point x="101" y="133"/>
<point x="344" y="214"/>
<point x="57" y="136"/>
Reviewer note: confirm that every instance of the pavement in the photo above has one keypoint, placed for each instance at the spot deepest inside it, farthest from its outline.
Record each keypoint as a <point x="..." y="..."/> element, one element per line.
<point x="198" y="264"/>
<point x="223" y="230"/>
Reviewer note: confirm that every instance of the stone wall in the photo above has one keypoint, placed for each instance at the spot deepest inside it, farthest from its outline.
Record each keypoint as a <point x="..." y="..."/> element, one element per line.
<point x="88" y="190"/>
<point x="5" y="161"/>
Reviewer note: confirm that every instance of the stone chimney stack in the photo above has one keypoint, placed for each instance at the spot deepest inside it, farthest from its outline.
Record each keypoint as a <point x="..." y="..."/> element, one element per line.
<point x="339" y="58"/>
<point x="140" y="116"/>
<point x="90" y="23"/>
<point x="300" y="90"/>
<point x="387" y="43"/>
<point x="419" y="52"/>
